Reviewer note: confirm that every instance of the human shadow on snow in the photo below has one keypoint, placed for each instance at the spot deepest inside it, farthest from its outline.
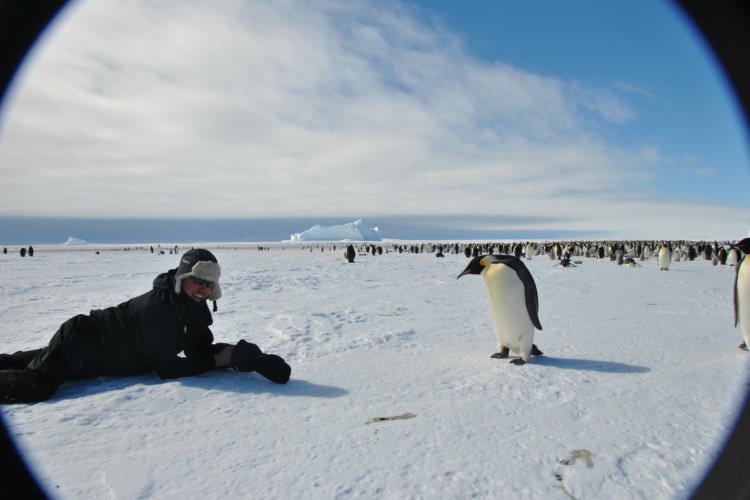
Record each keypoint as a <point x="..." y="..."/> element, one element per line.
<point x="229" y="381"/>
<point x="254" y="383"/>
<point x="78" y="388"/>
<point x="593" y="365"/>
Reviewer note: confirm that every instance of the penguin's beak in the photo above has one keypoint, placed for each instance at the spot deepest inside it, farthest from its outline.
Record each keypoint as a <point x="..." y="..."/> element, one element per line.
<point x="470" y="269"/>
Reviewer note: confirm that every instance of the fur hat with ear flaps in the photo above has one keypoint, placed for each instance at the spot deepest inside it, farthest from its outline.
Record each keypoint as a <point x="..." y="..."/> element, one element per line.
<point x="202" y="264"/>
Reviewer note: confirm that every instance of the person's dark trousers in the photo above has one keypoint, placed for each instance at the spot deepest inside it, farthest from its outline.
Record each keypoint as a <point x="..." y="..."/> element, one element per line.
<point x="31" y="376"/>
<point x="18" y="360"/>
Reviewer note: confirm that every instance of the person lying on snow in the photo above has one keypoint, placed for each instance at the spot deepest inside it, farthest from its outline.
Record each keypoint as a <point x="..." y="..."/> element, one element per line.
<point x="142" y="334"/>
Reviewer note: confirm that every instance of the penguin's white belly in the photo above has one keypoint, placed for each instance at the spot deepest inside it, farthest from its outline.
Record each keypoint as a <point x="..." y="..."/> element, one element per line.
<point x="732" y="258"/>
<point x="664" y="259"/>
<point x="743" y="299"/>
<point x="510" y="318"/>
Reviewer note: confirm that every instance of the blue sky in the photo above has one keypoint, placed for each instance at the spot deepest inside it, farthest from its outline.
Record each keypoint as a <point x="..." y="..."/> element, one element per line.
<point x="678" y="89"/>
<point x="599" y="117"/>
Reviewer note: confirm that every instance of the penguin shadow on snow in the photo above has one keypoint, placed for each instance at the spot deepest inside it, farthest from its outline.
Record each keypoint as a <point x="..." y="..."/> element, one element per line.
<point x="592" y="365"/>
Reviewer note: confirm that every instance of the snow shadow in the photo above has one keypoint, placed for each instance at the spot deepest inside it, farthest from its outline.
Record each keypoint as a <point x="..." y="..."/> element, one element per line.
<point x="78" y="388"/>
<point x="592" y="365"/>
<point x="244" y="383"/>
<point x="252" y="383"/>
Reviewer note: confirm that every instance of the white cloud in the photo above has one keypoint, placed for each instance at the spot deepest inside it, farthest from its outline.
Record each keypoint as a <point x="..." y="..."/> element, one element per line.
<point x="632" y="88"/>
<point x="303" y="108"/>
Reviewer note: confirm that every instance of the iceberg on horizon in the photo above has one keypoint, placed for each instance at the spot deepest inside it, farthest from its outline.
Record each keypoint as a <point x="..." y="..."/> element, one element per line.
<point x="352" y="231"/>
<point x="75" y="241"/>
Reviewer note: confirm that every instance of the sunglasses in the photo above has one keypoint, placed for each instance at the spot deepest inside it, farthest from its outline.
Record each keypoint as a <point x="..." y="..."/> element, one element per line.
<point x="202" y="282"/>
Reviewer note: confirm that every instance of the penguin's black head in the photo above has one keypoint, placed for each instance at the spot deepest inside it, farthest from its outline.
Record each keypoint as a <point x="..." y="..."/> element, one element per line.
<point x="743" y="245"/>
<point x="476" y="265"/>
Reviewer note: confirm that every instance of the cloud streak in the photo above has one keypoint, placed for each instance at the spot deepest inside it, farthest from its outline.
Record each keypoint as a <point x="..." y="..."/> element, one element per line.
<point x="329" y="108"/>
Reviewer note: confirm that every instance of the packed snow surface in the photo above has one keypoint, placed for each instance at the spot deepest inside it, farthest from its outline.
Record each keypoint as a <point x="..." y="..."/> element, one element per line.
<point x="393" y="391"/>
<point x="352" y="231"/>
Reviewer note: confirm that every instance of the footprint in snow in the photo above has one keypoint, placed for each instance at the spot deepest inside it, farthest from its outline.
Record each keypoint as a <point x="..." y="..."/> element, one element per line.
<point x="575" y="455"/>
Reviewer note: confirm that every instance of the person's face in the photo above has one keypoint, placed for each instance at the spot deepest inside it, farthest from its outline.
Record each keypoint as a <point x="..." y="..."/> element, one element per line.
<point x="196" y="289"/>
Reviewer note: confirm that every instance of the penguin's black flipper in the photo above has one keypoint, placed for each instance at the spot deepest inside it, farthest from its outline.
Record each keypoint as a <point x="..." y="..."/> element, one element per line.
<point x="736" y="305"/>
<point x="532" y="299"/>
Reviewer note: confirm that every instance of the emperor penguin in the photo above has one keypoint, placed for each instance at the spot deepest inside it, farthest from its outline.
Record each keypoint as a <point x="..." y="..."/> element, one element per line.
<point x="742" y="293"/>
<point x="732" y="257"/>
<point x="514" y="303"/>
<point x="664" y="257"/>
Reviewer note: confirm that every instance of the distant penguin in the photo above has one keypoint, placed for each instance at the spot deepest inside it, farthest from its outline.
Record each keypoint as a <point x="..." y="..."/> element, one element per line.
<point x="692" y="253"/>
<point x="708" y="252"/>
<point x="350" y="253"/>
<point x="742" y="294"/>
<point x="665" y="256"/>
<point x="722" y="256"/>
<point x="732" y="257"/>
<point x="529" y="251"/>
<point x="514" y="303"/>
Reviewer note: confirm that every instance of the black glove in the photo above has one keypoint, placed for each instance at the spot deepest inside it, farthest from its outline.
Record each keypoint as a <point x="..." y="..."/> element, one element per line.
<point x="247" y="357"/>
<point x="274" y="368"/>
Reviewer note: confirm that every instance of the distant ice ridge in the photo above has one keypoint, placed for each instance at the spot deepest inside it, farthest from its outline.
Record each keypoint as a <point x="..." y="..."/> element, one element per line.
<point x="75" y="241"/>
<point x="352" y="231"/>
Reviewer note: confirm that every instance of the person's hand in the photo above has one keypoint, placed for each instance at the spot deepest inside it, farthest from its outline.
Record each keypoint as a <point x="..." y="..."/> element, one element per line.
<point x="247" y="357"/>
<point x="223" y="358"/>
<point x="274" y="368"/>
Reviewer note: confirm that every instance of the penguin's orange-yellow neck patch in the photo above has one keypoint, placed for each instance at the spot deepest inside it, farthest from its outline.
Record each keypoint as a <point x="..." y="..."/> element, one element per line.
<point x="483" y="261"/>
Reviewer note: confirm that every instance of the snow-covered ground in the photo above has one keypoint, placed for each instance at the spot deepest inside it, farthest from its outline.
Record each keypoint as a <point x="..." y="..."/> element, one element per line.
<point x="639" y="384"/>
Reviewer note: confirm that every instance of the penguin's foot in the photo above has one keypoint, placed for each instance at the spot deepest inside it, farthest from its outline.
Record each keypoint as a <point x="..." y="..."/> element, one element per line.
<point x="743" y="346"/>
<point x="518" y="361"/>
<point x="535" y="350"/>
<point x="502" y="354"/>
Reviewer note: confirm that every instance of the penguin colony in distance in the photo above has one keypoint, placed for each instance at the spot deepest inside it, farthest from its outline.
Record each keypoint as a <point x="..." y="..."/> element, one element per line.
<point x="514" y="303"/>
<point x="742" y="294"/>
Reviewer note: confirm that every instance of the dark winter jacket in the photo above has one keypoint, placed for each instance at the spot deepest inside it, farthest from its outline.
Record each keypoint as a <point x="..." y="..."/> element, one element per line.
<point x="149" y="331"/>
